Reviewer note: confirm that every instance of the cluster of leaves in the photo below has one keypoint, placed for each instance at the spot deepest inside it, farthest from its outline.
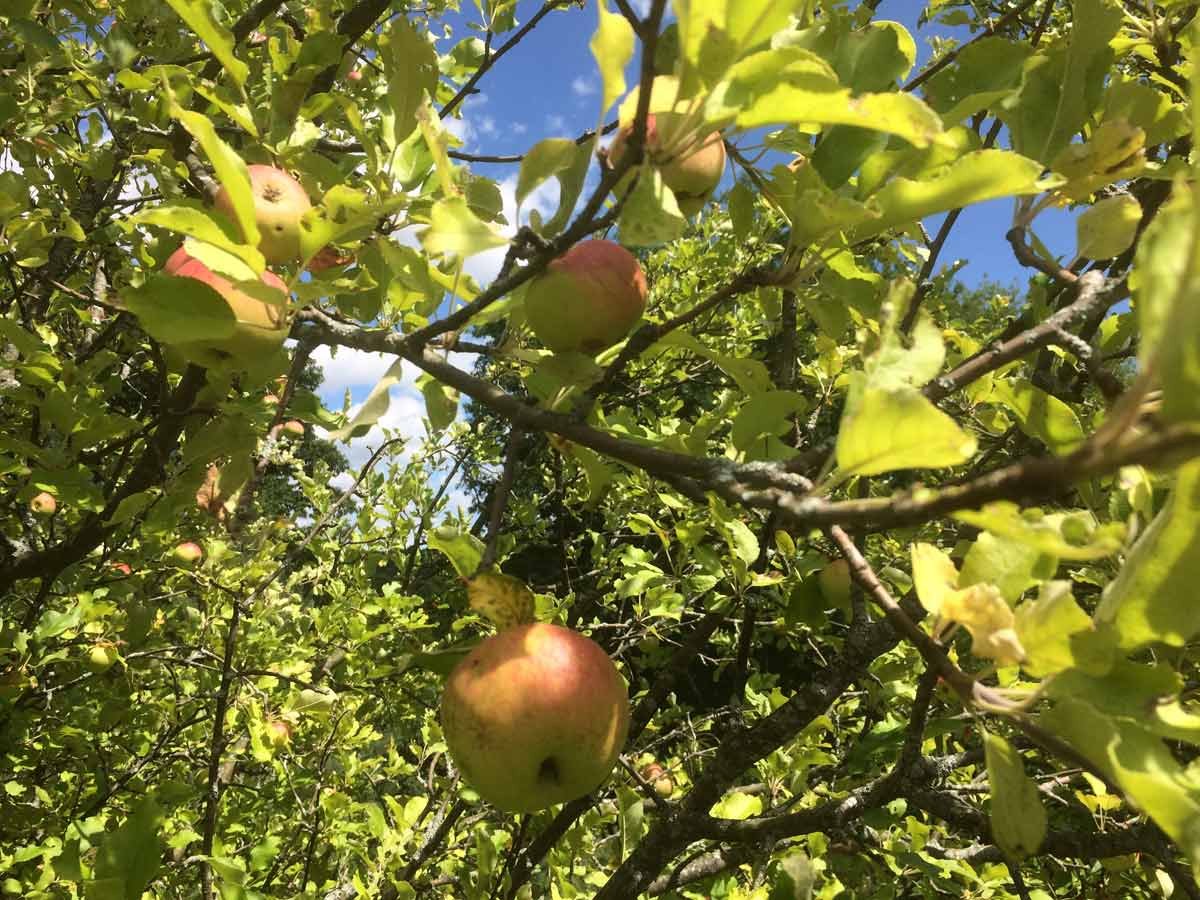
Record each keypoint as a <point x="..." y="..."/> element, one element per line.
<point x="812" y="422"/>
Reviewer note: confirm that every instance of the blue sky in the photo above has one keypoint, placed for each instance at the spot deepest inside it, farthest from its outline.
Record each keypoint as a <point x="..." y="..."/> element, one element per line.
<point x="548" y="86"/>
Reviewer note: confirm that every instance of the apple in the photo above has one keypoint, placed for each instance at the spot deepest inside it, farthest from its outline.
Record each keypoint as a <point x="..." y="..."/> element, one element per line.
<point x="43" y="504"/>
<point x="834" y="581"/>
<point x="121" y="568"/>
<point x="260" y="327"/>
<point x="189" y="553"/>
<point x="354" y="75"/>
<point x="691" y="163"/>
<point x="658" y="778"/>
<point x="587" y="299"/>
<point x="292" y="428"/>
<point x="101" y="657"/>
<point x="279" y="202"/>
<point x="535" y="716"/>
<point x="279" y="733"/>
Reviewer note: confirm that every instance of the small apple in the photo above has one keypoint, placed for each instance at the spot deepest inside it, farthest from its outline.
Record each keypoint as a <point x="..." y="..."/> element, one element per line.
<point x="279" y="202"/>
<point x="587" y="299"/>
<point x="189" y="553"/>
<point x="121" y="568"/>
<point x="354" y="75"/>
<point x="834" y="581"/>
<point x="100" y="657"/>
<point x="279" y="733"/>
<point x="658" y="778"/>
<point x="292" y="428"/>
<point x="43" y="504"/>
<point x="260" y="328"/>
<point x="691" y="163"/>
<point x="535" y="715"/>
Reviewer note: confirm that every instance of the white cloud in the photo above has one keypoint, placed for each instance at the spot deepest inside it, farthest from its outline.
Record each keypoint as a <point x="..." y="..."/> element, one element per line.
<point x="460" y="128"/>
<point x="583" y="86"/>
<point x="556" y="123"/>
<point x="349" y="368"/>
<point x="487" y="125"/>
<point x="518" y="127"/>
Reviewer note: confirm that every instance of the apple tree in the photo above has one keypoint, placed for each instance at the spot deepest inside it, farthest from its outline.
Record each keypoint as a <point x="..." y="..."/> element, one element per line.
<point x="894" y="569"/>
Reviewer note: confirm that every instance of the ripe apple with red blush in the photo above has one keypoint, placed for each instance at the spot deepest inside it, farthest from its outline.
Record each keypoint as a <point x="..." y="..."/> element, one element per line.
<point x="587" y="299"/>
<point x="535" y="716"/>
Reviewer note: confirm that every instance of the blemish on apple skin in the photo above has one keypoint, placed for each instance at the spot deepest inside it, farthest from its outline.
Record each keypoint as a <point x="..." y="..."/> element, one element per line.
<point x="548" y="770"/>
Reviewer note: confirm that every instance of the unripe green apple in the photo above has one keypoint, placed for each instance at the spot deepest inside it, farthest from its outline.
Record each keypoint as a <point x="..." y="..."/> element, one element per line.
<point x="834" y="581"/>
<point x="534" y="716"/>
<point x="292" y="428"/>
<point x="279" y="202"/>
<point x="260" y="327"/>
<point x="691" y="163"/>
<point x="587" y="299"/>
<point x="43" y="504"/>
<point x="279" y="733"/>
<point x="189" y="553"/>
<point x="101" y="657"/>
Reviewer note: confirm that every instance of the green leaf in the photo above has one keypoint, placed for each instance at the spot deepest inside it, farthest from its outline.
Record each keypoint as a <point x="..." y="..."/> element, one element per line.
<point x="441" y="402"/>
<point x="1153" y="598"/>
<point x="888" y="430"/>
<point x="973" y="178"/>
<point x="200" y="223"/>
<point x="1069" y="535"/>
<point x="1039" y="414"/>
<point x="934" y="576"/>
<point x="228" y="166"/>
<point x="1164" y="280"/>
<point x="790" y="85"/>
<point x="456" y="231"/>
<point x="1108" y="227"/>
<point x="765" y="415"/>
<point x="737" y="806"/>
<point x="558" y="158"/>
<point x="373" y="407"/>
<point x="741" y="540"/>
<point x="874" y="57"/>
<point x="651" y="214"/>
<point x="198" y="16"/>
<point x="410" y="64"/>
<point x="132" y="506"/>
<point x="1018" y="817"/>
<point x="1145" y="694"/>
<point x="795" y="878"/>
<point x="179" y="310"/>
<point x="344" y="214"/>
<point x="612" y="46"/>
<point x="462" y="548"/>
<point x="1140" y="764"/>
<point x="1004" y="562"/>
<point x="133" y="853"/>
<point x="1057" y="634"/>
<point x="1062" y="86"/>
<point x="984" y="73"/>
